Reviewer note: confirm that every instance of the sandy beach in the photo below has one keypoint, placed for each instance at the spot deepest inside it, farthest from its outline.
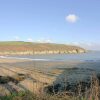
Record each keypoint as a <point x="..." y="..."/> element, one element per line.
<point x="35" y="75"/>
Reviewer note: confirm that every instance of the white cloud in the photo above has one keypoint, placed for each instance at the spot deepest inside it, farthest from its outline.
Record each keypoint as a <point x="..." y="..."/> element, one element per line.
<point x="87" y="45"/>
<point x="44" y="41"/>
<point x="48" y="41"/>
<point x="16" y="38"/>
<point x="72" y="18"/>
<point x="30" y="40"/>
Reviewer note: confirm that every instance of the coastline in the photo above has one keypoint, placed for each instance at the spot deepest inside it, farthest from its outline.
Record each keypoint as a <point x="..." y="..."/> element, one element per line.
<point x="30" y="48"/>
<point x="41" y="74"/>
<point x="75" y="51"/>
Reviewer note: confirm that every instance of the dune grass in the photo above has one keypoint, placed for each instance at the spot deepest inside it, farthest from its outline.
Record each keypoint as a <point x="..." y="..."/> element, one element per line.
<point x="93" y="93"/>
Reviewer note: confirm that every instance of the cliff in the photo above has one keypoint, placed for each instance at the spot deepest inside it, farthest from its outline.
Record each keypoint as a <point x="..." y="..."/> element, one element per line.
<point x="26" y="48"/>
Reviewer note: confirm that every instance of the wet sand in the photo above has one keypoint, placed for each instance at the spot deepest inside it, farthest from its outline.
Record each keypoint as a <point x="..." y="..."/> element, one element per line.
<point x="39" y="74"/>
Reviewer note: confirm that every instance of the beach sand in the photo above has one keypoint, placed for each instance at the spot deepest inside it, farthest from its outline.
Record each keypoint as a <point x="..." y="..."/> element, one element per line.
<point x="35" y="75"/>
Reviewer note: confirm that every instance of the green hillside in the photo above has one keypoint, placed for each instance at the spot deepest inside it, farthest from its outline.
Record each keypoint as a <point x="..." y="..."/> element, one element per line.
<point x="20" y="47"/>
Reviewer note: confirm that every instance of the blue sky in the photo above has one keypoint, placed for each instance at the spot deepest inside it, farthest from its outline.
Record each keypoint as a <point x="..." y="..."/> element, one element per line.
<point x="61" y="21"/>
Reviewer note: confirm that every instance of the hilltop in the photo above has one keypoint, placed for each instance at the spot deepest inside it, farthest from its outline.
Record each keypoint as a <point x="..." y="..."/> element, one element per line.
<point x="20" y="47"/>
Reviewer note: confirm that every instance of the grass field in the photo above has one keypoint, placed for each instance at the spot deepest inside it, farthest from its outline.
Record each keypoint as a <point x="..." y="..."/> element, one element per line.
<point x="20" y="47"/>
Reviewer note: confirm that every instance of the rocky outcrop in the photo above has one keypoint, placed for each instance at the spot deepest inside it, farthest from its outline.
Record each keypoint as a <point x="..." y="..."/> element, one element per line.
<point x="25" y="48"/>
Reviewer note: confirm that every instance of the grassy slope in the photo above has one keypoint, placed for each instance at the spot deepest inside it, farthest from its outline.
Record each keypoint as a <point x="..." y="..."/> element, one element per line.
<point x="29" y="46"/>
<point x="14" y="43"/>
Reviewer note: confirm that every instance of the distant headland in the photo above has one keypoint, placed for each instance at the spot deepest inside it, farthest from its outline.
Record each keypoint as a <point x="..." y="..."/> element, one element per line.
<point x="30" y="48"/>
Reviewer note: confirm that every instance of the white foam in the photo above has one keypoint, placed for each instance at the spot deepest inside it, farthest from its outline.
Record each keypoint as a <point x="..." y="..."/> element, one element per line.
<point x="5" y="57"/>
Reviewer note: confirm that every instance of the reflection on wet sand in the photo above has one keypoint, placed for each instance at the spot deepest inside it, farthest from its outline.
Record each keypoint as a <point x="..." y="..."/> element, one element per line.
<point x="35" y="76"/>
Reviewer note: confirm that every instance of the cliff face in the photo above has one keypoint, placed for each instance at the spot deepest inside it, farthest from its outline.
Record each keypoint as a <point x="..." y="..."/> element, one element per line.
<point x="27" y="48"/>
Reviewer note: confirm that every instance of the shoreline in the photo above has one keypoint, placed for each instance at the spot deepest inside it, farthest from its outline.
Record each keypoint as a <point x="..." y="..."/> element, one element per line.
<point x="41" y="74"/>
<point x="39" y="58"/>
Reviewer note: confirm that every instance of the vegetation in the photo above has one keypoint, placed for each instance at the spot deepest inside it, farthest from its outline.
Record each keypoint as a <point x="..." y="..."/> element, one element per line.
<point x="93" y="93"/>
<point x="20" y="47"/>
<point x="30" y="96"/>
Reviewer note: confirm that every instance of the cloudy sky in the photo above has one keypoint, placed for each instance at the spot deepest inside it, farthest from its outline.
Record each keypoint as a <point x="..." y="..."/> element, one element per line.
<point x="62" y="21"/>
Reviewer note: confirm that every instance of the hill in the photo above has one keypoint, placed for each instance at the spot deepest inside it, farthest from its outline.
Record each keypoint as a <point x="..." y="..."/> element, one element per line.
<point x="20" y="47"/>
